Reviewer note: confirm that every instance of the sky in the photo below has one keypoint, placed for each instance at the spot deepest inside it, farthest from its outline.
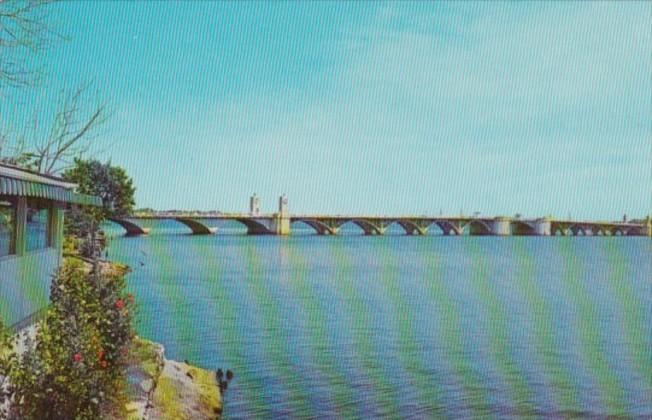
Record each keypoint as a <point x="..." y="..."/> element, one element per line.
<point x="375" y="108"/>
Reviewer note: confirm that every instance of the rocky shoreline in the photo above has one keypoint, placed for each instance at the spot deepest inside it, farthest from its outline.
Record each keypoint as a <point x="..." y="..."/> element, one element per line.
<point x="166" y="389"/>
<point x="157" y="388"/>
<point x="162" y="389"/>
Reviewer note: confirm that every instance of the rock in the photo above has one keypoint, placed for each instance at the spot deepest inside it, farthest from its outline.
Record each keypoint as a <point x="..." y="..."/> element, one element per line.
<point x="147" y="385"/>
<point x="166" y="389"/>
<point x="176" y="396"/>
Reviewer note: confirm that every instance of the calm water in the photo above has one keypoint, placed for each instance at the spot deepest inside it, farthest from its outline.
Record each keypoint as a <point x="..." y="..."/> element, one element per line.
<point x="393" y="326"/>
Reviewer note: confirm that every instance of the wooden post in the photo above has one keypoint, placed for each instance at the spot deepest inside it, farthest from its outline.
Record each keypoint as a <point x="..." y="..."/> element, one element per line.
<point x="20" y="232"/>
<point x="55" y="228"/>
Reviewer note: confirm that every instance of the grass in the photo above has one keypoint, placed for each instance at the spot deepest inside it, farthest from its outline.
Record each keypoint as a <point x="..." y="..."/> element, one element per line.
<point x="145" y="354"/>
<point x="181" y="391"/>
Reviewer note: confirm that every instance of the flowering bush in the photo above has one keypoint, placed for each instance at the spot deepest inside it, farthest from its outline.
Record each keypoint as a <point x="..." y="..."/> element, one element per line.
<point x="73" y="369"/>
<point x="7" y="358"/>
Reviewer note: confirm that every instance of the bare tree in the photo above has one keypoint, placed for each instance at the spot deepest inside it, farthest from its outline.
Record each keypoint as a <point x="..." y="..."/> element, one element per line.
<point x="23" y="31"/>
<point x="48" y="148"/>
<point x="72" y="131"/>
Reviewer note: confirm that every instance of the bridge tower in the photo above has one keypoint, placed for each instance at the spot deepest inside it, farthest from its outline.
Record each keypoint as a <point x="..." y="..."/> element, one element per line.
<point x="254" y="205"/>
<point x="281" y="224"/>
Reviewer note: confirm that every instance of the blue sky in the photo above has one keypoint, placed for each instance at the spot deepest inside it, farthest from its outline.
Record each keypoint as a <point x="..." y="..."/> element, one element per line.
<point x="383" y="108"/>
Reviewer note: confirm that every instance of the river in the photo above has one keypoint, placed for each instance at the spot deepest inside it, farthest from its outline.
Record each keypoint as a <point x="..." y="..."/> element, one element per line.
<point x="396" y="326"/>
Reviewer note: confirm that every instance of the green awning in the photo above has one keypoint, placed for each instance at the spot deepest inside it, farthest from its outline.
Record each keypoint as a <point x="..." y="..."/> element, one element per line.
<point x="19" y="187"/>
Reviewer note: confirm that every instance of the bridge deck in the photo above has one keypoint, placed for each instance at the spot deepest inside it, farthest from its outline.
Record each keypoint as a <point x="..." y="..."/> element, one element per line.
<point x="339" y="217"/>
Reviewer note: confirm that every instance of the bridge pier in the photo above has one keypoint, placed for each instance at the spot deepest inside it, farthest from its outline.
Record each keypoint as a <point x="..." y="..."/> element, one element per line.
<point x="414" y="227"/>
<point x="378" y="227"/>
<point x="281" y="225"/>
<point x="450" y="228"/>
<point x="501" y="226"/>
<point x="543" y="227"/>
<point x="281" y="222"/>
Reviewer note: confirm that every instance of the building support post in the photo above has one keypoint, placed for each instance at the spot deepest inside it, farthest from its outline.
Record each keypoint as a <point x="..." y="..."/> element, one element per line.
<point x="55" y="228"/>
<point x="20" y="233"/>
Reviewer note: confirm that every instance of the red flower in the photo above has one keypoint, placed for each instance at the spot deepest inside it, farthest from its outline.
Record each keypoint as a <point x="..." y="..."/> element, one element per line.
<point x="120" y="304"/>
<point x="100" y="354"/>
<point x="77" y="357"/>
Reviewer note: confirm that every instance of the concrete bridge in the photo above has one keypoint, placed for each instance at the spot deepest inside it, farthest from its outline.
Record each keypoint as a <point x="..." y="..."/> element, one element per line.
<point x="278" y="224"/>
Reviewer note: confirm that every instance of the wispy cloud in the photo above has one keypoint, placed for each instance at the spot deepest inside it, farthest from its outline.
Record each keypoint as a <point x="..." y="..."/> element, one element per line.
<point x="501" y="108"/>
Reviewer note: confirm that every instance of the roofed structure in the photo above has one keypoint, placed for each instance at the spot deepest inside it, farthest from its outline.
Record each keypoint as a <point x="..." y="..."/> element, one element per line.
<point x="32" y="208"/>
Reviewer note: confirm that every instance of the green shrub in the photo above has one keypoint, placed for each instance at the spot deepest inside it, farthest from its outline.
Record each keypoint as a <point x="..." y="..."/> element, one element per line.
<point x="74" y="368"/>
<point x="7" y="359"/>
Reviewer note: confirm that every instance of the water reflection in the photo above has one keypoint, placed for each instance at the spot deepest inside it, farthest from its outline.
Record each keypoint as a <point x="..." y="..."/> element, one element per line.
<point x="390" y="326"/>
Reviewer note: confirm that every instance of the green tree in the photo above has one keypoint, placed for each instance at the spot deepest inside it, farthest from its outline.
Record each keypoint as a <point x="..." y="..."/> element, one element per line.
<point x="113" y="186"/>
<point x="111" y="183"/>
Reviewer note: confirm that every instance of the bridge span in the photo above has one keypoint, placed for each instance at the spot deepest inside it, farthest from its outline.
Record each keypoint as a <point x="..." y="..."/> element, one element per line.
<point x="280" y="224"/>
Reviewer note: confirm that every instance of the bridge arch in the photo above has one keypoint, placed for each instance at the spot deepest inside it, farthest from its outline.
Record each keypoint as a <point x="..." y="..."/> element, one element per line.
<point x="616" y="232"/>
<point x="371" y="228"/>
<point x="255" y="227"/>
<point x="321" y="228"/>
<point x="344" y="227"/>
<point x="478" y="227"/>
<point x="132" y="228"/>
<point x="196" y="227"/>
<point x="558" y="229"/>
<point x="449" y="228"/>
<point x="413" y="227"/>
<point x="578" y="230"/>
<point x="523" y="228"/>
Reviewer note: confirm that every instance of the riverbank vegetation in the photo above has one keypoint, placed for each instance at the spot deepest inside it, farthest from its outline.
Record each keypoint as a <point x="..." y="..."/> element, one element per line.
<point x="77" y="360"/>
<point x="116" y="189"/>
<point x="82" y="358"/>
<point x="73" y="365"/>
<point x="72" y="362"/>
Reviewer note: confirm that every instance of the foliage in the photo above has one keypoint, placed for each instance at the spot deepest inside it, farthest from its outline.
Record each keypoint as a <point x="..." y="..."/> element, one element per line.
<point x="113" y="186"/>
<point x="74" y="367"/>
<point x="82" y="227"/>
<point x="147" y="355"/>
<point x="171" y="402"/>
<point x="111" y="183"/>
<point x="7" y="359"/>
